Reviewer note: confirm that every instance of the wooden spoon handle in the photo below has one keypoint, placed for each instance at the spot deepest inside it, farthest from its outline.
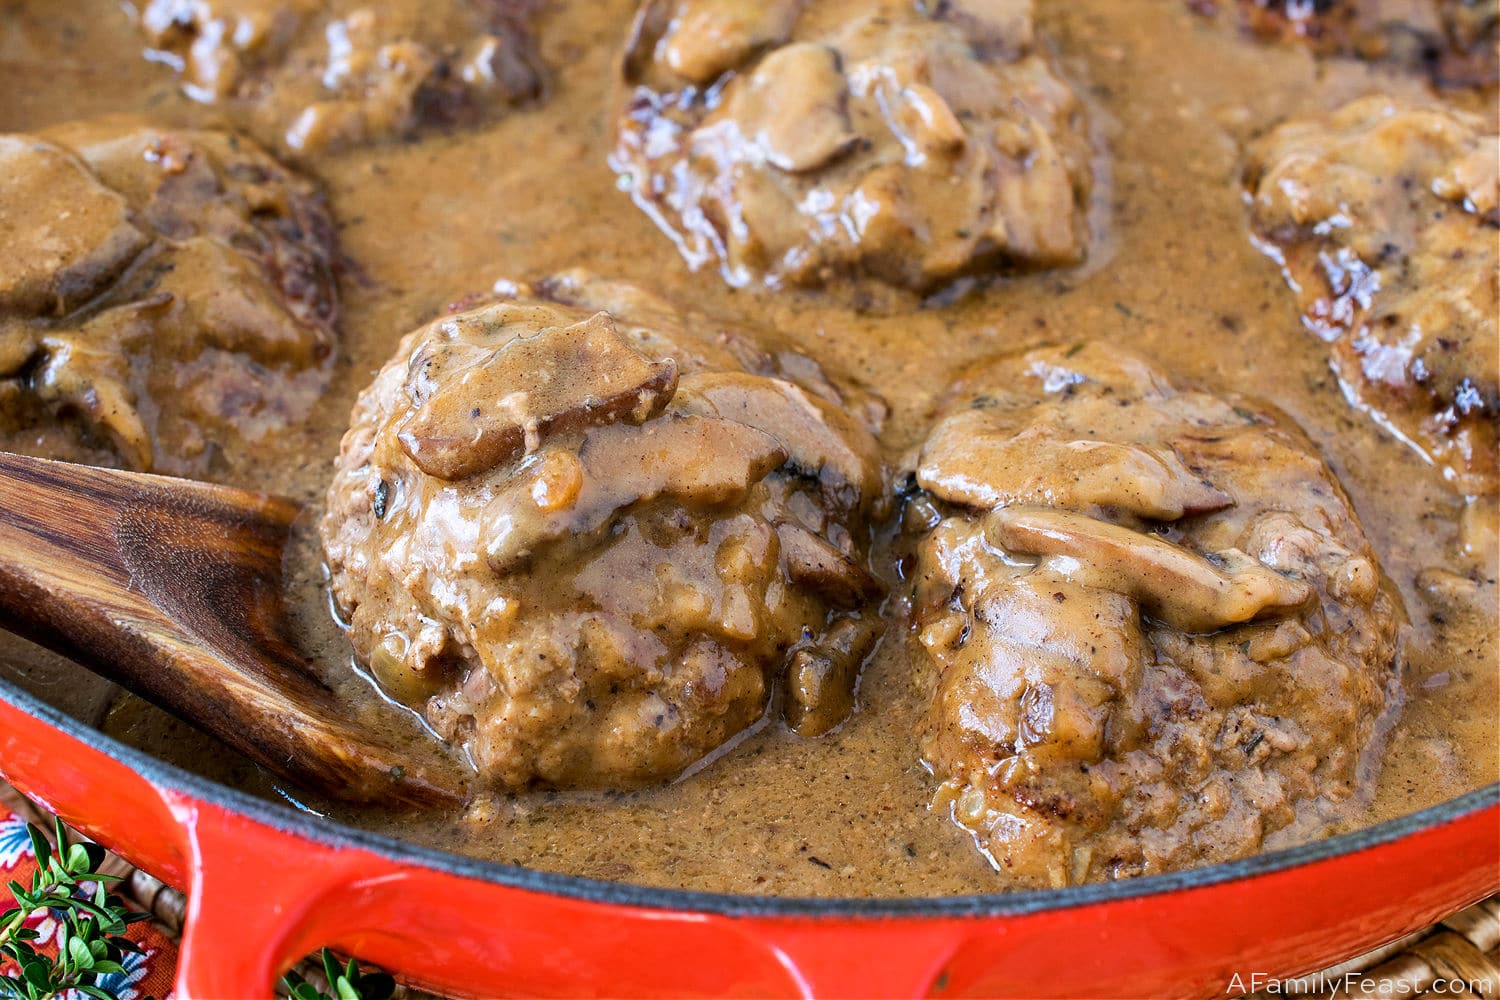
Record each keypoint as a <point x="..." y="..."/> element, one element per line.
<point x="171" y="588"/>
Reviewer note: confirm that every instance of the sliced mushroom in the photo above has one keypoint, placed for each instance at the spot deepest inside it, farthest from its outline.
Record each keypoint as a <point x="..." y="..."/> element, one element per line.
<point x="1183" y="589"/>
<point x="967" y="461"/>
<point x="814" y="563"/>
<point x="54" y="260"/>
<point x="562" y="379"/>
<point x="93" y="380"/>
<point x="795" y="108"/>
<point x="697" y="460"/>
<point x="925" y="123"/>
<point x="820" y="439"/>
<point x="707" y="38"/>
<point x="821" y="677"/>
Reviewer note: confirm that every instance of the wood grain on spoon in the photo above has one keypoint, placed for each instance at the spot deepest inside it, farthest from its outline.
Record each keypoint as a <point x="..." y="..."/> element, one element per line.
<point x="172" y="589"/>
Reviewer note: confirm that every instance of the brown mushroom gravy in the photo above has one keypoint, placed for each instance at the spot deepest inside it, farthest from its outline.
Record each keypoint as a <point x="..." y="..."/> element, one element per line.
<point x="1164" y="562"/>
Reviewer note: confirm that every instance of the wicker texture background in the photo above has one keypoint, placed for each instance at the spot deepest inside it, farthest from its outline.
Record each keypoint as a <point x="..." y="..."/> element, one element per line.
<point x="1457" y="957"/>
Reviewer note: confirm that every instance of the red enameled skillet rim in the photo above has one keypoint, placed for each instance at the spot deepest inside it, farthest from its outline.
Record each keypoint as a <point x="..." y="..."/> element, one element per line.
<point x="1004" y="904"/>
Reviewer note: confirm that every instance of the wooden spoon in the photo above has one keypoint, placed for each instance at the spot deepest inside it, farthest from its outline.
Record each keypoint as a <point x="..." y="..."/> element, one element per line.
<point x="172" y="589"/>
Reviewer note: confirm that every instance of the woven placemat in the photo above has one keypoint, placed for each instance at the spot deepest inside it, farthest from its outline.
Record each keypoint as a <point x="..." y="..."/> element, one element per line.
<point x="1455" y="957"/>
<point x="1458" y="956"/>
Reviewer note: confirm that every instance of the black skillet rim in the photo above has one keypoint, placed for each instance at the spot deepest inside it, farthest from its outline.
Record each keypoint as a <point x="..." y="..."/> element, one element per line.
<point x="1007" y="904"/>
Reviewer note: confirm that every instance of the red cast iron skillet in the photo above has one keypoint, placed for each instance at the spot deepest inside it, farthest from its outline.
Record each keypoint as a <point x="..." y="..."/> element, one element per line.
<point x="269" y="884"/>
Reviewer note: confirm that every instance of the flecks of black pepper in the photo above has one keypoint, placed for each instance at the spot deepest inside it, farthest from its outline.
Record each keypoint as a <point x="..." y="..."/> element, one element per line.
<point x="382" y="496"/>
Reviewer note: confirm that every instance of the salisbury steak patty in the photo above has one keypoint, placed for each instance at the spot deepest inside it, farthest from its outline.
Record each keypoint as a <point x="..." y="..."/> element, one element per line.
<point x="1153" y="624"/>
<point x="585" y="533"/>
<point x="806" y="142"/>
<point x="316" y="75"/>
<point x="1384" y="218"/>
<point x="1454" y="41"/>
<point x="165" y="295"/>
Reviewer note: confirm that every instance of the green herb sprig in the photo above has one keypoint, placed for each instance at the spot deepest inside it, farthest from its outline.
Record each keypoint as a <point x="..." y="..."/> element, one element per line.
<point x="91" y="937"/>
<point x="346" y="983"/>
<point x="91" y="941"/>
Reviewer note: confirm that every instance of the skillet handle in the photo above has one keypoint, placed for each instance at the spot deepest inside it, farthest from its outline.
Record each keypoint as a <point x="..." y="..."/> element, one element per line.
<point x="260" y="899"/>
<point x="254" y="902"/>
